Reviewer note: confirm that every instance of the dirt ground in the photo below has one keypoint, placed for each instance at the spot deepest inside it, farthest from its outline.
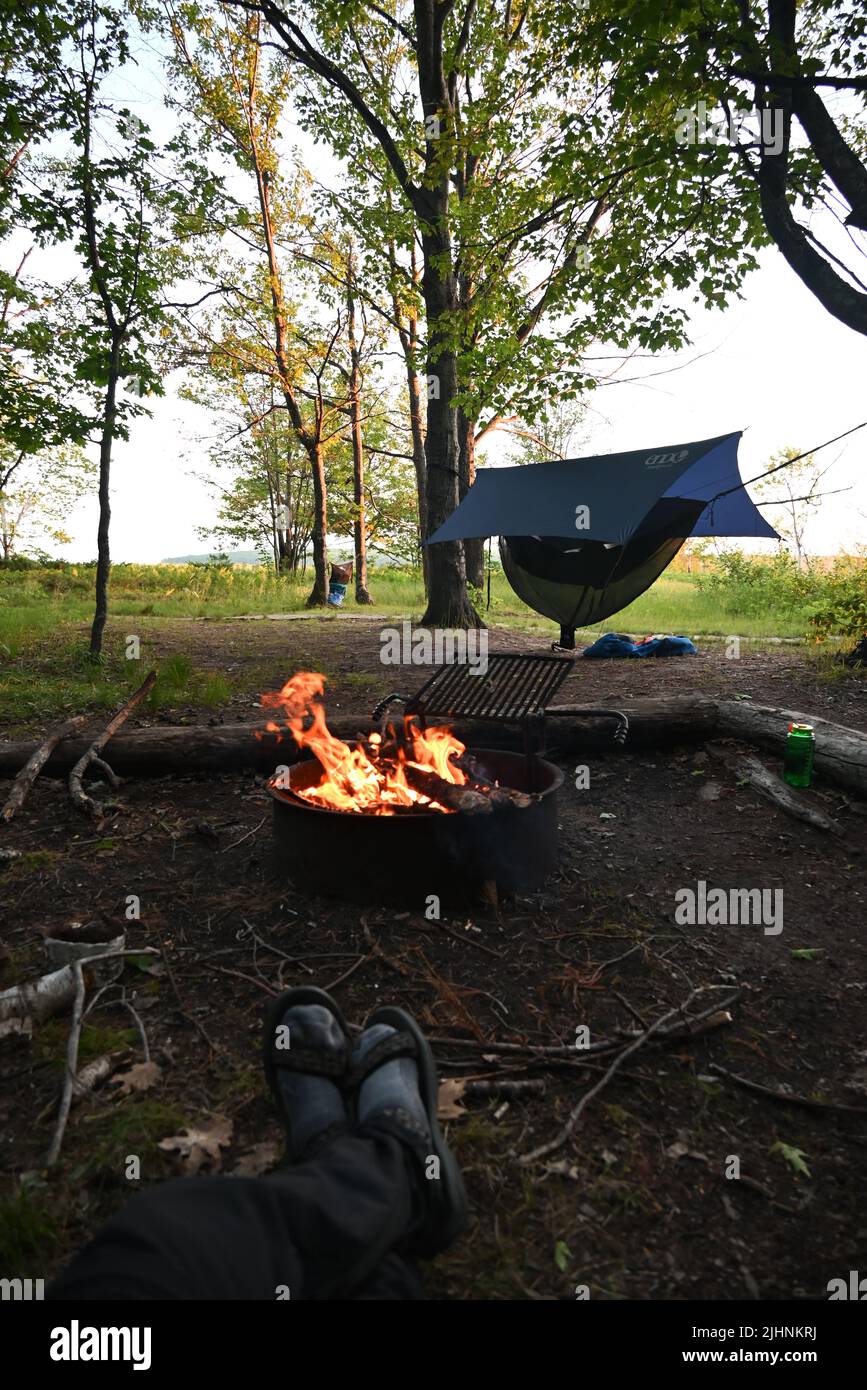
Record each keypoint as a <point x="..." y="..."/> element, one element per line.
<point x="639" y="1201"/>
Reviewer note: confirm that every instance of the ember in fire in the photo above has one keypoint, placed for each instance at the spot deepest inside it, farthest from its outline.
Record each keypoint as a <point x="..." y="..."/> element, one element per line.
<point x="369" y="777"/>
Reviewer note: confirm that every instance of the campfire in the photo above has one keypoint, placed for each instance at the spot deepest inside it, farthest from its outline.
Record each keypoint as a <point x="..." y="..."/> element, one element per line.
<point x="407" y="769"/>
<point x="394" y="815"/>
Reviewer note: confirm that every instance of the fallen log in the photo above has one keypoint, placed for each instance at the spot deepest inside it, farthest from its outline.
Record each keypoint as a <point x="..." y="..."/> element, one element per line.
<point x="772" y="787"/>
<point x="165" y="749"/>
<point x="841" y="752"/>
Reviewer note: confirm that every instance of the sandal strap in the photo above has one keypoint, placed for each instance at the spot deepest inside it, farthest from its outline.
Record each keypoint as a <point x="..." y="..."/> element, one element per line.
<point x="400" y="1044"/>
<point x="314" y="1061"/>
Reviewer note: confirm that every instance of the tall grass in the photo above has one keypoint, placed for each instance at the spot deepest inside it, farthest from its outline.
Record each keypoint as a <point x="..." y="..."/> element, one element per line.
<point x="753" y="600"/>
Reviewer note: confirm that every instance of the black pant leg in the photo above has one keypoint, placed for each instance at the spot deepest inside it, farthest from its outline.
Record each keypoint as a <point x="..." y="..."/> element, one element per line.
<point x="319" y="1230"/>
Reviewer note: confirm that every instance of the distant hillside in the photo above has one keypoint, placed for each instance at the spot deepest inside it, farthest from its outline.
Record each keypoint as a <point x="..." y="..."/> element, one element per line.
<point x="235" y="557"/>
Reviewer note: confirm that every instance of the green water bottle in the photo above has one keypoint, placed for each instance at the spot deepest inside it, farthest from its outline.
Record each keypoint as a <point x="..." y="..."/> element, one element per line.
<point x="798" y="761"/>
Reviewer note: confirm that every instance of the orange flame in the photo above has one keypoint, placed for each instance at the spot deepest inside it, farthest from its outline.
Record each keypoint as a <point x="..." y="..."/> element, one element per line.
<point x="354" y="777"/>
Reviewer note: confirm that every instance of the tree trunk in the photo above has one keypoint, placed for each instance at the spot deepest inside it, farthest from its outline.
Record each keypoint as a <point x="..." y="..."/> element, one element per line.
<point x="408" y="334"/>
<point x="319" y="593"/>
<point x="448" y="604"/>
<point x="312" y="442"/>
<point x="413" y="387"/>
<point x="362" y="594"/>
<point x="103" y="561"/>
<point x="474" y="546"/>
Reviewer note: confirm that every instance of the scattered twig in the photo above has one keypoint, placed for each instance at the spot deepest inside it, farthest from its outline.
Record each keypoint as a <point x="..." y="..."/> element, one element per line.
<point x="266" y="946"/>
<point x="615" y="960"/>
<point x="249" y="833"/>
<point x="182" y="1010"/>
<point x="784" y="1096"/>
<point x="468" y="940"/>
<point x="32" y="768"/>
<point x="332" y="984"/>
<point x="141" y="1028"/>
<point x="630" y="1008"/>
<point x="71" y="1067"/>
<point x="239" y="975"/>
<point x="76" y="776"/>
<point x="560" y="1138"/>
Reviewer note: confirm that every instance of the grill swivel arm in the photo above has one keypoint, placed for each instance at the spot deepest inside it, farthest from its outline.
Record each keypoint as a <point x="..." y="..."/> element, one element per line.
<point x="587" y="712"/>
<point x="394" y="698"/>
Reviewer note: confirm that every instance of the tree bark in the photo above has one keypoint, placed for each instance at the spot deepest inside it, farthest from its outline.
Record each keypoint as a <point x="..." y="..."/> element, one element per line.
<point x="474" y="546"/>
<point x="408" y="333"/>
<point x="103" y="553"/>
<point x="319" y="593"/>
<point x="311" y="440"/>
<point x="362" y="594"/>
<point x="448" y="604"/>
<point x="836" y="294"/>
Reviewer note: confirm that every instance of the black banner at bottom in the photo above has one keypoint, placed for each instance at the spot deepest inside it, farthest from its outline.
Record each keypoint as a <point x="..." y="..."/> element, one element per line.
<point x="234" y="1341"/>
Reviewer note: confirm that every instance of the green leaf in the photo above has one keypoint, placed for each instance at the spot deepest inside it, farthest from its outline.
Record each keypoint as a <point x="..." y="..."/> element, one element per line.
<point x="806" y="953"/>
<point x="794" y="1157"/>
<point x="142" y="963"/>
<point x="562" y="1255"/>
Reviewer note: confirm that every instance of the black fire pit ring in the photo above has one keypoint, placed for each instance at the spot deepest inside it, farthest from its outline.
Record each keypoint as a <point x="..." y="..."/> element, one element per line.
<point x="407" y="858"/>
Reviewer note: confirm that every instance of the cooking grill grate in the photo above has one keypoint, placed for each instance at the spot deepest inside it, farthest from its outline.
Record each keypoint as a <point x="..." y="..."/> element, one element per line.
<point x="514" y="687"/>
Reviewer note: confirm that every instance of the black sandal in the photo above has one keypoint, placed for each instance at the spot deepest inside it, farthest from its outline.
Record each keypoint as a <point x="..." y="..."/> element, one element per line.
<point x="301" y="1057"/>
<point x="447" y="1213"/>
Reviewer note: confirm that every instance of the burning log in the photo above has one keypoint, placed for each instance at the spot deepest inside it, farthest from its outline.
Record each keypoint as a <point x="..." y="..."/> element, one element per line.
<point x="449" y="794"/>
<point x="499" y="796"/>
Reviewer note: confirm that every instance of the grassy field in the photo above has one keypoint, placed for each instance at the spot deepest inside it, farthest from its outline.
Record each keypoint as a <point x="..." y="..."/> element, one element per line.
<point x="35" y="602"/>
<point x="45" y="615"/>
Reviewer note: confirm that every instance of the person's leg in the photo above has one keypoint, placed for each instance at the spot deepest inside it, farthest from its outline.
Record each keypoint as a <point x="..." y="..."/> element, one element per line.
<point x="322" y="1228"/>
<point x="316" y="1231"/>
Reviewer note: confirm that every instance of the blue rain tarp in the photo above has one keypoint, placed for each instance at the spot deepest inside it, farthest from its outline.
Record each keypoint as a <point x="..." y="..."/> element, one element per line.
<point x="617" y="491"/>
<point x="581" y="539"/>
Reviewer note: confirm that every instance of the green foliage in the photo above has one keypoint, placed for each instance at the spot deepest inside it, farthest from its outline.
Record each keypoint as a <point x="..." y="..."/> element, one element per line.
<point x="833" y="600"/>
<point x="656" y="60"/>
<point x="28" y="1234"/>
<point x="841" y="609"/>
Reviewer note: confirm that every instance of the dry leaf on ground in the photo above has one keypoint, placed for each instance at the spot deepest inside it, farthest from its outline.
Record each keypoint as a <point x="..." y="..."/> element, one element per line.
<point x="448" y="1097"/>
<point x="261" y="1158"/>
<point x="139" y="1077"/>
<point x="200" y="1148"/>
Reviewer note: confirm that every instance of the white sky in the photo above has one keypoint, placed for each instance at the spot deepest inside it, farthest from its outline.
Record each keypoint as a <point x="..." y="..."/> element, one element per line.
<point x="778" y="366"/>
<point x="774" y="364"/>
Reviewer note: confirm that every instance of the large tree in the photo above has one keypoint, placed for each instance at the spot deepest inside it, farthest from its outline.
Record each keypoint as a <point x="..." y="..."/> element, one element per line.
<point x="236" y="93"/>
<point x="542" y="217"/>
<point x="784" y="84"/>
<point x="101" y="186"/>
